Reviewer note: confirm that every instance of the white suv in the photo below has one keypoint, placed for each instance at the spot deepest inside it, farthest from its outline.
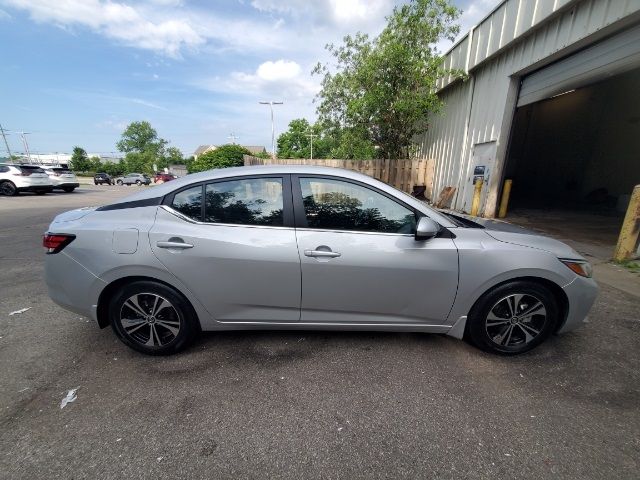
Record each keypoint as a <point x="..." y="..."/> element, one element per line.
<point x="62" y="178"/>
<point x="23" y="178"/>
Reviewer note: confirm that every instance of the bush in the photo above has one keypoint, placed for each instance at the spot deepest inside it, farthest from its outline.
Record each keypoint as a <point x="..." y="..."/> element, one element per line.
<point x="222" y="157"/>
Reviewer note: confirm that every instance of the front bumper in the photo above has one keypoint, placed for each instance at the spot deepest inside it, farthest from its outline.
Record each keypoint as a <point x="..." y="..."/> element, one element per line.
<point x="581" y="293"/>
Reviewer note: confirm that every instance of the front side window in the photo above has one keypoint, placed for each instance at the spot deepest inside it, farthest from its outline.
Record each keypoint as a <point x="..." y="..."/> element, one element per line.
<point x="252" y="201"/>
<point x="337" y="205"/>
<point x="189" y="202"/>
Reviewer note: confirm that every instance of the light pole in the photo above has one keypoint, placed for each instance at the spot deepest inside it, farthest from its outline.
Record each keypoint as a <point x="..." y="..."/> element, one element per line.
<point x="26" y="144"/>
<point x="311" y="135"/>
<point x="273" y="128"/>
<point x="4" y="135"/>
<point x="233" y="137"/>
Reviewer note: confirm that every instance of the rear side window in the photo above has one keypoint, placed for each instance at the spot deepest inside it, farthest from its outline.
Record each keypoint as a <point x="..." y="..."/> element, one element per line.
<point x="252" y="201"/>
<point x="4" y="169"/>
<point x="189" y="202"/>
<point x="29" y="170"/>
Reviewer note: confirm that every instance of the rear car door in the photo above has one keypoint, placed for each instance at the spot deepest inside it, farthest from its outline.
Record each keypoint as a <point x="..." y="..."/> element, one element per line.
<point x="232" y="243"/>
<point x="360" y="261"/>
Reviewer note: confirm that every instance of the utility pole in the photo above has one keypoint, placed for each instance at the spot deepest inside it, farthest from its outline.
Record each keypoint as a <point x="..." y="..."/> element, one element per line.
<point x="271" y="103"/>
<point x="5" y="141"/>
<point x="311" y="135"/>
<point x="233" y="138"/>
<point x="26" y="144"/>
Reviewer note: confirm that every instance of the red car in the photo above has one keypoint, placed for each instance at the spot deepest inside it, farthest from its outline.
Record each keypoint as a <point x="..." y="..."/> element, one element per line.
<point x="163" y="177"/>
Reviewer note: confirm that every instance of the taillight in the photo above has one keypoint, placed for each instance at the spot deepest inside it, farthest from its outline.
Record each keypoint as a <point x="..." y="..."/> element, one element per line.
<point x="55" y="242"/>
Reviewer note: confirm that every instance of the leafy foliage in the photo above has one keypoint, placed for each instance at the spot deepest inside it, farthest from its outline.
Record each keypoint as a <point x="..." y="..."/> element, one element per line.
<point x="143" y="148"/>
<point x="383" y="89"/>
<point x="79" y="160"/>
<point x="222" y="157"/>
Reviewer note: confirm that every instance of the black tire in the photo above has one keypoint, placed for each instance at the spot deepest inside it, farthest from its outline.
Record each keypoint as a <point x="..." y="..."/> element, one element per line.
<point x="138" y="182"/>
<point x="8" y="189"/>
<point x="493" y="334"/>
<point x="179" y="314"/>
<point x="69" y="189"/>
<point x="119" y="182"/>
<point x="95" y="183"/>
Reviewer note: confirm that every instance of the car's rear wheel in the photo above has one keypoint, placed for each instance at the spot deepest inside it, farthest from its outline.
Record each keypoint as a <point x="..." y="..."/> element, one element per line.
<point x="69" y="189"/>
<point x="513" y="318"/>
<point x="138" y="182"/>
<point x="95" y="183"/>
<point x="8" y="189"/>
<point x="152" y="318"/>
<point x="119" y="182"/>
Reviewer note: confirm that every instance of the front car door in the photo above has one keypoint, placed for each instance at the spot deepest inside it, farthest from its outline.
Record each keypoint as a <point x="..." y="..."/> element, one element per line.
<point x="360" y="261"/>
<point x="232" y="243"/>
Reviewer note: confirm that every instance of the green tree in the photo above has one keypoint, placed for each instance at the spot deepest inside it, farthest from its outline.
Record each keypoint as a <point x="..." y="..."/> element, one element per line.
<point x="222" y="157"/>
<point x="79" y="160"/>
<point x="94" y="164"/>
<point x="174" y="156"/>
<point x="143" y="148"/>
<point x="384" y="89"/>
<point x="296" y="142"/>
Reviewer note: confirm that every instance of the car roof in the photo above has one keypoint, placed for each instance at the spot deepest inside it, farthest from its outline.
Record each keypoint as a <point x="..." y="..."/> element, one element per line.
<point x="220" y="173"/>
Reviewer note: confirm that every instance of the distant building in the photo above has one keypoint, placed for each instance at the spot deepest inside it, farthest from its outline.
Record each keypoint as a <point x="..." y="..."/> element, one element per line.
<point x="178" y="170"/>
<point x="254" y="149"/>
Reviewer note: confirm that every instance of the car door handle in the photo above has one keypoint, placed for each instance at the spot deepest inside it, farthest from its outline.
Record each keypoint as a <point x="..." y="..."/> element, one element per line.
<point x="173" y="245"/>
<point x="321" y="253"/>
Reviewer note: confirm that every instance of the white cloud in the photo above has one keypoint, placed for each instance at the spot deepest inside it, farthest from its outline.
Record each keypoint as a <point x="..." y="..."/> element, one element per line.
<point x="353" y="12"/>
<point x="4" y="15"/>
<point x="273" y="80"/>
<point x="278" y="70"/>
<point x="119" y="21"/>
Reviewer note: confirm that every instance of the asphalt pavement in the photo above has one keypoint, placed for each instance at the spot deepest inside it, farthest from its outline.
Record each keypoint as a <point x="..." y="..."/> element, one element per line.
<point x="301" y="404"/>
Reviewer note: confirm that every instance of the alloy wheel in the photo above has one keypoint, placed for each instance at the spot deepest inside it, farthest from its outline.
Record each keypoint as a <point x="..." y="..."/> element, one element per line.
<point x="7" y="188"/>
<point x="516" y="320"/>
<point x="150" y="320"/>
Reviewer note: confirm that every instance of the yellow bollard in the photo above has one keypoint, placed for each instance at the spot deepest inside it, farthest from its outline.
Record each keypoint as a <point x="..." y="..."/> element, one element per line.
<point x="475" y="204"/>
<point x="504" y="201"/>
<point x="628" y="239"/>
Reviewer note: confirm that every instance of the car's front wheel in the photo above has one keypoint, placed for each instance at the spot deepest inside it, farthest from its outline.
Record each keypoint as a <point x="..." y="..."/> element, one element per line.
<point x="119" y="182"/>
<point x="513" y="318"/>
<point x="152" y="318"/>
<point x="138" y="182"/>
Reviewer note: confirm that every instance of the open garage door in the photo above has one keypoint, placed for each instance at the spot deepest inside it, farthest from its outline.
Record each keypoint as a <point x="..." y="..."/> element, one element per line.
<point x="574" y="154"/>
<point x="614" y="56"/>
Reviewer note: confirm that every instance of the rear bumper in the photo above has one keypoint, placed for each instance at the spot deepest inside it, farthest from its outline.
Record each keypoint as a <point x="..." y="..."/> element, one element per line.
<point x="581" y="293"/>
<point x="71" y="285"/>
<point x="67" y="185"/>
<point x="35" y="188"/>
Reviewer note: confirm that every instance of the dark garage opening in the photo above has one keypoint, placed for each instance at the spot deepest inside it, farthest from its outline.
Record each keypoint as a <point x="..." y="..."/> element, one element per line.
<point x="575" y="158"/>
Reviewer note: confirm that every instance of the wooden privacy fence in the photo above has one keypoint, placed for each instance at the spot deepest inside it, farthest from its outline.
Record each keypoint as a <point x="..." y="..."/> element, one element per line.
<point x="402" y="174"/>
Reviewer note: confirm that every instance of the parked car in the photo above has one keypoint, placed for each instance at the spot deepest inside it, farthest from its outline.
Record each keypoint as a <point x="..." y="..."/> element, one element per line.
<point x="102" y="178"/>
<point x="302" y="247"/>
<point x="163" y="177"/>
<point x="131" y="178"/>
<point x="23" y="178"/>
<point x="62" y="178"/>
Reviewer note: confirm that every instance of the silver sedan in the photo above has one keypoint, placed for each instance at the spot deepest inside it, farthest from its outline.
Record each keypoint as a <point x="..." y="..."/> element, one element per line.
<point x="295" y="247"/>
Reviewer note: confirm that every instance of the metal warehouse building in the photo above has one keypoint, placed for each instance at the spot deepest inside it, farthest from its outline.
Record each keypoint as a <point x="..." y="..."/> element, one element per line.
<point x="552" y="102"/>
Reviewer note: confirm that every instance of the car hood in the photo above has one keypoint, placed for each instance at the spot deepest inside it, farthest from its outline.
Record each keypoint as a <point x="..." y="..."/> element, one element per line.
<point x="517" y="235"/>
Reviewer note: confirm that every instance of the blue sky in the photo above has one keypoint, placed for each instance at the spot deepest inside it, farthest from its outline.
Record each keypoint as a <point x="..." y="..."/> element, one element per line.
<point x="76" y="72"/>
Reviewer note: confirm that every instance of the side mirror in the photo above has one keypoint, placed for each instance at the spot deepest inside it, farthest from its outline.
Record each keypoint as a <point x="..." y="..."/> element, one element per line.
<point x="426" y="229"/>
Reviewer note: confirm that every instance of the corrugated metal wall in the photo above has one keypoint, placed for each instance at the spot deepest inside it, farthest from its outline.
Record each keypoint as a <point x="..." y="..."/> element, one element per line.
<point x="517" y="35"/>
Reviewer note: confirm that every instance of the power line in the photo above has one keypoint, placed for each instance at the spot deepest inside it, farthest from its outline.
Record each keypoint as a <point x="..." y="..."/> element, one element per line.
<point x="311" y="135"/>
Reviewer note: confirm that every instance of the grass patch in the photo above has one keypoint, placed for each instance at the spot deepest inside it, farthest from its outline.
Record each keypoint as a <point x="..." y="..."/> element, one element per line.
<point x="632" y="265"/>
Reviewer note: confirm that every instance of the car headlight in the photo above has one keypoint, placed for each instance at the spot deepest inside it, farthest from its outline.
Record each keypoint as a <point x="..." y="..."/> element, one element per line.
<point x="579" y="267"/>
